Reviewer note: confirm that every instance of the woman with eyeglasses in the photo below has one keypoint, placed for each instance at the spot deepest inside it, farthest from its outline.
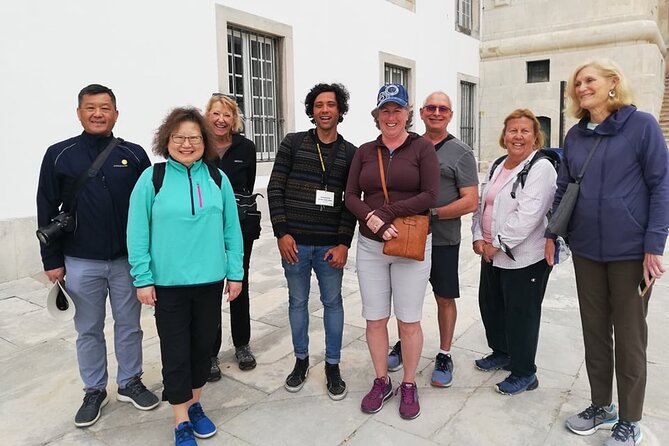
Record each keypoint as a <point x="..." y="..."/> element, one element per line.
<point x="185" y="249"/>
<point x="236" y="157"/>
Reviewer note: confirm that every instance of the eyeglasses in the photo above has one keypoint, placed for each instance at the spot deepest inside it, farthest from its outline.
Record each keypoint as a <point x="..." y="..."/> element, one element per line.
<point x="433" y="108"/>
<point x="193" y="140"/>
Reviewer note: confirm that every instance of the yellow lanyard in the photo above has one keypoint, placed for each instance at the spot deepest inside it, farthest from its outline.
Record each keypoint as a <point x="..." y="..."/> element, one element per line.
<point x="320" y="155"/>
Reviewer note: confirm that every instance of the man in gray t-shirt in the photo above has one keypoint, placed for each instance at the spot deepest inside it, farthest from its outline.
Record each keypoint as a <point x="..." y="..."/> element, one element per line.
<point x="458" y="195"/>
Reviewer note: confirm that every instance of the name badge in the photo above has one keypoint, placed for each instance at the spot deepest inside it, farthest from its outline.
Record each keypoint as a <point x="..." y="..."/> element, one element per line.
<point x="324" y="198"/>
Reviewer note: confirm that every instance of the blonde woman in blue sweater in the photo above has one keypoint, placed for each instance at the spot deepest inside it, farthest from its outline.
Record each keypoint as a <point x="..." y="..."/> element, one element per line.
<point x="185" y="248"/>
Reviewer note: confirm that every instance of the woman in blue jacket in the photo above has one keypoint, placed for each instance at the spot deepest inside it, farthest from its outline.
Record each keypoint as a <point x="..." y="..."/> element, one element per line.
<point x="185" y="249"/>
<point x="617" y="234"/>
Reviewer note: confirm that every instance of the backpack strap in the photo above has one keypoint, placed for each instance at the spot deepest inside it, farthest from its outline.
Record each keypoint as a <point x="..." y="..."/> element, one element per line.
<point x="496" y="163"/>
<point x="158" y="176"/>
<point x="298" y="137"/>
<point x="215" y="174"/>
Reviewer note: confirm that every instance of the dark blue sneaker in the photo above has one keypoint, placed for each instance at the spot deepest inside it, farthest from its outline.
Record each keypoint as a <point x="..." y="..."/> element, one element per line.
<point x="395" y="357"/>
<point x="493" y="361"/>
<point x="514" y="385"/>
<point x="203" y="427"/>
<point x="442" y="376"/>
<point x="183" y="435"/>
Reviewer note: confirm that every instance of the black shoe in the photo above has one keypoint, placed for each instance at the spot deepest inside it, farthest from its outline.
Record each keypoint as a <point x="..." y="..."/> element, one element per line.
<point x="295" y="381"/>
<point x="136" y="393"/>
<point x="245" y="357"/>
<point x="89" y="412"/>
<point x="336" y="386"/>
<point x="215" y="371"/>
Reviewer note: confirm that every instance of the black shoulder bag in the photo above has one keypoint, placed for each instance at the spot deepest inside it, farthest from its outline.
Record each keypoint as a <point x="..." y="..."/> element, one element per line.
<point x="64" y="221"/>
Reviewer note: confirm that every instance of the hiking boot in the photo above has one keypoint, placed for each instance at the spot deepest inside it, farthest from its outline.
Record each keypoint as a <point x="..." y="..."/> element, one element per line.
<point x="203" y="427"/>
<point x="89" y="412"/>
<point x="380" y="393"/>
<point x="183" y="435"/>
<point x="295" y="381"/>
<point x="593" y="418"/>
<point x="409" y="407"/>
<point x="136" y="393"/>
<point x="336" y="386"/>
<point x="625" y="433"/>
<point x="442" y="376"/>
<point x="215" y="371"/>
<point x="493" y="361"/>
<point x="514" y="384"/>
<point x="395" y="357"/>
<point x="245" y="358"/>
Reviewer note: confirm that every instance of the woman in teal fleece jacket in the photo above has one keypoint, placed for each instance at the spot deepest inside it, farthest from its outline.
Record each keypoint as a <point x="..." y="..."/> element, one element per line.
<point x="184" y="245"/>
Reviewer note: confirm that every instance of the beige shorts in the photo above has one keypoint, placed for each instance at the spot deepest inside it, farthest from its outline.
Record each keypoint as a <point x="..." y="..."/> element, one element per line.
<point x="386" y="280"/>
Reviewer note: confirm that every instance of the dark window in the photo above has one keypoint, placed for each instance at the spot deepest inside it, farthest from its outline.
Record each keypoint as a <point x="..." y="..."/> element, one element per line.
<point x="252" y="76"/>
<point x="538" y="71"/>
<point x="467" y="110"/>
<point x="394" y="74"/>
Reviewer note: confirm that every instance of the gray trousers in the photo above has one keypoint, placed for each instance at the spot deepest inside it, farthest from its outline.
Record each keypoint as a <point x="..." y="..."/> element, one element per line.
<point x="89" y="282"/>
<point x="612" y="309"/>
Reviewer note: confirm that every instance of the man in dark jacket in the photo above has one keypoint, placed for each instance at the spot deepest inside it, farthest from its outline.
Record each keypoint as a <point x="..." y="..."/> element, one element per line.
<point x="313" y="228"/>
<point x="92" y="251"/>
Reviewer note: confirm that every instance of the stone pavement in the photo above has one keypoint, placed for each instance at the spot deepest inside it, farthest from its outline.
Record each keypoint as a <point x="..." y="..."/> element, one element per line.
<point x="40" y="388"/>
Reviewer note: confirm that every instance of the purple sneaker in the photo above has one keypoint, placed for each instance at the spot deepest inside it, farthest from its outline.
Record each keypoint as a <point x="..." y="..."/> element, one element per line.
<point x="380" y="393"/>
<point x="409" y="407"/>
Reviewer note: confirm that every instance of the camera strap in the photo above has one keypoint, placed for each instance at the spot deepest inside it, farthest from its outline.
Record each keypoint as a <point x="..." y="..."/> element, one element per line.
<point x="91" y="172"/>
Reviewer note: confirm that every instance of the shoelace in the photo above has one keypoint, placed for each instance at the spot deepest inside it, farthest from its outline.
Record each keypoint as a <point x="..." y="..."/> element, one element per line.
<point x="184" y="434"/>
<point x="590" y="412"/>
<point x="244" y="353"/>
<point x="196" y="413"/>
<point x="91" y="398"/>
<point x="407" y="394"/>
<point x="623" y="430"/>
<point x="378" y="389"/>
<point x="442" y="364"/>
<point x="135" y="387"/>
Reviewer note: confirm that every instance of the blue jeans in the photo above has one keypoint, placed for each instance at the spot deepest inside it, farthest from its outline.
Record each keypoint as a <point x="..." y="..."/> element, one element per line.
<point x="298" y="277"/>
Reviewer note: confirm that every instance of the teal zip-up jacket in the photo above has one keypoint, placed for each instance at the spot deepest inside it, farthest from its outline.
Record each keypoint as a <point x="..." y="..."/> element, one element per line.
<point x="186" y="235"/>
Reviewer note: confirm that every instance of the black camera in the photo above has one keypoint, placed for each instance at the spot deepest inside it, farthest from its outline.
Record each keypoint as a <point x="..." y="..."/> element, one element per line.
<point x="59" y="225"/>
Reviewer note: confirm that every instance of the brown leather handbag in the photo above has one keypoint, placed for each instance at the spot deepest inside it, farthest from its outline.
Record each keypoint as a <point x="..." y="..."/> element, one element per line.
<point x="411" y="229"/>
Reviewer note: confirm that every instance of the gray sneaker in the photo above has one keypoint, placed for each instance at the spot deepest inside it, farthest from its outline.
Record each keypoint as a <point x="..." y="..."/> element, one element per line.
<point x="625" y="433"/>
<point x="593" y="418"/>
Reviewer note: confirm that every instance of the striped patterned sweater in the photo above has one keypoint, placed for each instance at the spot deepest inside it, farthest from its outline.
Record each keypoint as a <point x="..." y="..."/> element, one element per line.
<point x="292" y="193"/>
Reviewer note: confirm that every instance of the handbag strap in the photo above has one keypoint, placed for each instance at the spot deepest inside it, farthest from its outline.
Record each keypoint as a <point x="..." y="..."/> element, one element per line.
<point x="382" y="173"/>
<point x="587" y="161"/>
<point x="91" y="172"/>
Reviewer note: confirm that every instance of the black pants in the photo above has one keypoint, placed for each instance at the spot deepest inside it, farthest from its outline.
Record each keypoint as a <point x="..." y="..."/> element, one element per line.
<point x="187" y="319"/>
<point x="240" y="317"/>
<point x="510" y="302"/>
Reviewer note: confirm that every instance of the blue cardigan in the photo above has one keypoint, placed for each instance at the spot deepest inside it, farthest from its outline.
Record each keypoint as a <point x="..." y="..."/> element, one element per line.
<point x="622" y="210"/>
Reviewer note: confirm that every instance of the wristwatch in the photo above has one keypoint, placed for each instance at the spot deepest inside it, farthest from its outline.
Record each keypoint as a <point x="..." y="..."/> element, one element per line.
<point x="434" y="213"/>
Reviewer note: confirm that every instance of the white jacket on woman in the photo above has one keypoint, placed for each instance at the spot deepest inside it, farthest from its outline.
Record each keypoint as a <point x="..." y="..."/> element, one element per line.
<point x="519" y="222"/>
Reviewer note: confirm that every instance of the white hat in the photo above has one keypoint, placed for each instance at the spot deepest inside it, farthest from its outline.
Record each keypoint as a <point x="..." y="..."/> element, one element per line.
<point x="59" y="304"/>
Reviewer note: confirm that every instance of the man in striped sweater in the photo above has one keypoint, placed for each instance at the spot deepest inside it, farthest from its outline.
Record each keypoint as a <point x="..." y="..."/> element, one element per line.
<point x="313" y="227"/>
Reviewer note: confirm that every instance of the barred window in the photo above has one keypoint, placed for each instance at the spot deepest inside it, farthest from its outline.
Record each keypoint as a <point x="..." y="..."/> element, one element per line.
<point x="467" y="113"/>
<point x="252" y="76"/>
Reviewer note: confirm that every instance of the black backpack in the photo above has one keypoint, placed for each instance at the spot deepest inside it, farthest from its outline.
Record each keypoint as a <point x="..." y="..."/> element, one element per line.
<point x="159" y="175"/>
<point x="551" y="155"/>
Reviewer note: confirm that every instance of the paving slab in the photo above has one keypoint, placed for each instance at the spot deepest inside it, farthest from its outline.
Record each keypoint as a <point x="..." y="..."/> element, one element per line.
<point x="39" y="377"/>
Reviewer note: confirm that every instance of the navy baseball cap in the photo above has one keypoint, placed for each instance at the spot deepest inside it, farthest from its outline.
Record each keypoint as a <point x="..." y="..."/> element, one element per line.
<point x="392" y="93"/>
